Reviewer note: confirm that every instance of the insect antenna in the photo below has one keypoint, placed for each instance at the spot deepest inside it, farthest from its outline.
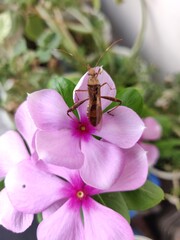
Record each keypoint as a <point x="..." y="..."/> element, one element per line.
<point x="107" y="49"/>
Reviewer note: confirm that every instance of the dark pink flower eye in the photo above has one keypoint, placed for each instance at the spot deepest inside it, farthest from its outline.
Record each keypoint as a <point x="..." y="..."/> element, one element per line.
<point x="82" y="129"/>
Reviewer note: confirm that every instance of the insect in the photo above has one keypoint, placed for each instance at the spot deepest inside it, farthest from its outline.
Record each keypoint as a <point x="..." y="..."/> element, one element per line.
<point x="94" y="108"/>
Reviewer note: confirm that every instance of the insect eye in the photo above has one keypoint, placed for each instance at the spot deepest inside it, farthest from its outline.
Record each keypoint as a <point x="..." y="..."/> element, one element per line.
<point x="91" y="72"/>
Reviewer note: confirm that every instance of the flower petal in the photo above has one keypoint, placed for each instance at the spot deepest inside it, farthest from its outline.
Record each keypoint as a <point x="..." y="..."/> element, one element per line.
<point x="48" y="110"/>
<point x="153" y="129"/>
<point x="25" y="124"/>
<point x="64" y="224"/>
<point x="108" y="89"/>
<point x="12" y="151"/>
<point x="102" y="223"/>
<point x="12" y="219"/>
<point x="53" y="208"/>
<point x="59" y="148"/>
<point x="152" y="153"/>
<point x="62" y="172"/>
<point x="102" y="163"/>
<point x="122" y="127"/>
<point x="135" y="170"/>
<point x="30" y="189"/>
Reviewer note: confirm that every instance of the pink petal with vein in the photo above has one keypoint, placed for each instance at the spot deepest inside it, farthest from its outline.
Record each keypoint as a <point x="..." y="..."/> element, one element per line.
<point x="65" y="224"/>
<point x="48" y="110"/>
<point x="122" y="127"/>
<point x="102" y="163"/>
<point x="63" y="172"/>
<point x="153" y="129"/>
<point x="30" y="189"/>
<point x="102" y="223"/>
<point x="135" y="170"/>
<point x="59" y="148"/>
<point x="53" y="208"/>
<point x="152" y="153"/>
<point x="12" y="151"/>
<point x="12" y="219"/>
<point x="25" y="124"/>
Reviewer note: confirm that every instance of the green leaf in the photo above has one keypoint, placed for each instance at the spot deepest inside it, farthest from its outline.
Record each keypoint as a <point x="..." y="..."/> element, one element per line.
<point x="5" y="25"/>
<point x="34" y="27"/>
<point x="144" y="198"/>
<point x="39" y="217"/>
<point x="43" y="55"/>
<point x="79" y="28"/>
<point x="48" y="40"/>
<point x="169" y="153"/>
<point x="114" y="201"/>
<point x="166" y="124"/>
<point x="81" y="24"/>
<point x="1" y="185"/>
<point x="131" y="98"/>
<point x="64" y="86"/>
<point x="20" y="47"/>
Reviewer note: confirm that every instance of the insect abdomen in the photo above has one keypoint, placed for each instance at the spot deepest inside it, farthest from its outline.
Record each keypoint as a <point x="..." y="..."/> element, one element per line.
<point x="94" y="110"/>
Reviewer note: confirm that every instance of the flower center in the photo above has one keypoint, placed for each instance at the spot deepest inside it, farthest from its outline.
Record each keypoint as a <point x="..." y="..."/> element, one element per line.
<point x="80" y="194"/>
<point x="82" y="129"/>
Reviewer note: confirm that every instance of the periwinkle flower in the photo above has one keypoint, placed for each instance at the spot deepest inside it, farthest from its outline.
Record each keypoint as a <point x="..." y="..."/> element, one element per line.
<point x="69" y="211"/>
<point x="12" y="151"/>
<point x="71" y="142"/>
<point x="68" y="162"/>
<point x="152" y="132"/>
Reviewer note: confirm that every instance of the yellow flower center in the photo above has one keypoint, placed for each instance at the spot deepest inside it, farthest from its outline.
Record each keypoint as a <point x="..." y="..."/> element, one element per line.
<point x="80" y="194"/>
<point x="82" y="128"/>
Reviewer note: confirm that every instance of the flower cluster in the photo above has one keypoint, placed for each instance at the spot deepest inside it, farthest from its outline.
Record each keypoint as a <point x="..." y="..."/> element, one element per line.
<point x="57" y="163"/>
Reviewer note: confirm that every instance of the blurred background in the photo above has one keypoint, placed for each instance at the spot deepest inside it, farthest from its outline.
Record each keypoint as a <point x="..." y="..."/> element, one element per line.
<point x="137" y="42"/>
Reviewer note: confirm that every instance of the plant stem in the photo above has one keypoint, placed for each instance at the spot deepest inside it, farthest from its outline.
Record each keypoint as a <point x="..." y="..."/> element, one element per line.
<point x="165" y="175"/>
<point x="140" y="37"/>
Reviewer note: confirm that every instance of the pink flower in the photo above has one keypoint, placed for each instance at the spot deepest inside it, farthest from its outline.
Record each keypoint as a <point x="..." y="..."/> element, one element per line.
<point x="69" y="212"/>
<point x="152" y="132"/>
<point x="25" y="125"/>
<point x="12" y="151"/>
<point x="70" y="143"/>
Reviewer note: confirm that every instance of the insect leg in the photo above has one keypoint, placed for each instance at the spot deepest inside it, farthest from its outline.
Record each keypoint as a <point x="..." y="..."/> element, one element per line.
<point x="79" y="90"/>
<point x="108" y="85"/>
<point x="75" y="106"/>
<point x="113" y="99"/>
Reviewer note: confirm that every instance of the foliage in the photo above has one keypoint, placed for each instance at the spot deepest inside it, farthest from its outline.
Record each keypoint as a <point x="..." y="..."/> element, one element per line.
<point x="38" y="37"/>
<point x="141" y="199"/>
<point x="64" y="86"/>
<point x="162" y="102"/>
<point x="144" y="198"/>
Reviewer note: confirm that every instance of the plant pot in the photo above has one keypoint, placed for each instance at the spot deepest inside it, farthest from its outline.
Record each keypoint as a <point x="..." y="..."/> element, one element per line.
<point x="141" y="238"/>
